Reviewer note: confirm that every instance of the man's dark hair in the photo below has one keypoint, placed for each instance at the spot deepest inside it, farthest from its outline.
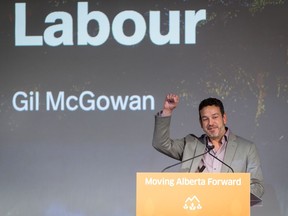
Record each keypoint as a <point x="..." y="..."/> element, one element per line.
<point x="211" y="102"/>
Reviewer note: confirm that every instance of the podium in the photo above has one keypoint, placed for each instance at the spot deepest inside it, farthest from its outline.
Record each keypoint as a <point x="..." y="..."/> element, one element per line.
<point x="193" y="194"/>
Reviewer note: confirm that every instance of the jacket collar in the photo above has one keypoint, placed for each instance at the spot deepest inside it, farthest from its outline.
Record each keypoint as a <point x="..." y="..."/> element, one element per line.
<point x="229" y="152"/>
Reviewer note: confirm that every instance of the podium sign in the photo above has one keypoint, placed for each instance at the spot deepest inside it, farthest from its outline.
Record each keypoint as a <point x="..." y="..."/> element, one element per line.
<point x="193" y="194"/>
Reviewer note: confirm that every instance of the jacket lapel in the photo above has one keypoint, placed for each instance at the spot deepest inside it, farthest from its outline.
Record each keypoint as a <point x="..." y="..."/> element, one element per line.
<point x="229" y="153"/>
<point x="199" y="150"/>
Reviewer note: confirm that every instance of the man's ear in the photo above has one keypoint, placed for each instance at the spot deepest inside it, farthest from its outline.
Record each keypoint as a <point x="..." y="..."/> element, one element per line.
<point x="225" y="118"/>
<point x="200" y="121"/>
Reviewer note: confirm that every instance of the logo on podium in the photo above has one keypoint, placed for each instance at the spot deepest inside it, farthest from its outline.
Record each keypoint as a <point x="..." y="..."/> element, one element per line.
<point x="192" y="204"/>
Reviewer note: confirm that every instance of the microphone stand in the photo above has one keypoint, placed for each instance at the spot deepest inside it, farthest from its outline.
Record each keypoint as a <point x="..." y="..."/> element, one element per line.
<point x="221" y="162"/>
<point x="208" y="147"/>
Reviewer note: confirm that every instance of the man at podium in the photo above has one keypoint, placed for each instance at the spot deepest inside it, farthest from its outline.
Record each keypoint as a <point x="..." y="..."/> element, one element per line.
<point x="217" y="150"/>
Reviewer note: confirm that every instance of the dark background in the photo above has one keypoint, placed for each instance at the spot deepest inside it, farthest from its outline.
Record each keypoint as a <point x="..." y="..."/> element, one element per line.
<point x="84" y="163"/>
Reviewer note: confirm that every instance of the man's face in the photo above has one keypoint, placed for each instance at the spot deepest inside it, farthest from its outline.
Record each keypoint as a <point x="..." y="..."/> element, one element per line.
<point x="212" y="122"/>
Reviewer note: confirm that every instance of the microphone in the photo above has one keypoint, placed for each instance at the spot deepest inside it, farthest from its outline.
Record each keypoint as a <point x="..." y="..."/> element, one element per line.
<point x="222" y="162"/>
<point x="208" y="147"/>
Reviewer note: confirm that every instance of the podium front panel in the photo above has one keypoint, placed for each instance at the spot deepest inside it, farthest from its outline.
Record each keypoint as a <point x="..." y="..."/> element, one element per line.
<point x="193" y="194"/>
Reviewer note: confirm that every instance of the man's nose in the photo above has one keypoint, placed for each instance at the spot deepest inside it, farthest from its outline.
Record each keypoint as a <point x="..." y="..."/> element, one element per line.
<point x="210" y="121"/>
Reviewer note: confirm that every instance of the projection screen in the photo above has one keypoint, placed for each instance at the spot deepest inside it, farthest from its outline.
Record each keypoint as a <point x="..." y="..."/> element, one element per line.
<point x="81" y="82"/>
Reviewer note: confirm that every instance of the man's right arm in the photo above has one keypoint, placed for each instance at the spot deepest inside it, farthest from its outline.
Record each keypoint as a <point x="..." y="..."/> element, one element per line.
<point x="162" y="141"/>
<point x="161" y="137"/>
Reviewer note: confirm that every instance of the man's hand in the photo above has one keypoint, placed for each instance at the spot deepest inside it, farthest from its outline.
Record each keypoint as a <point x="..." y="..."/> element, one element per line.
<point x="170" y="103"/>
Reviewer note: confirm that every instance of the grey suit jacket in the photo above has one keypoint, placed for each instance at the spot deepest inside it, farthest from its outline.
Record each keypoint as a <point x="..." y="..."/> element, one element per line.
<point x="240" y="154"/>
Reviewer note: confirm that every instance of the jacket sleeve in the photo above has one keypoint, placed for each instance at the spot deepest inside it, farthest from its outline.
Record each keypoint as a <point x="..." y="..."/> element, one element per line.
<point x="162" y="141"/>
<point x="254" y="167"/>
